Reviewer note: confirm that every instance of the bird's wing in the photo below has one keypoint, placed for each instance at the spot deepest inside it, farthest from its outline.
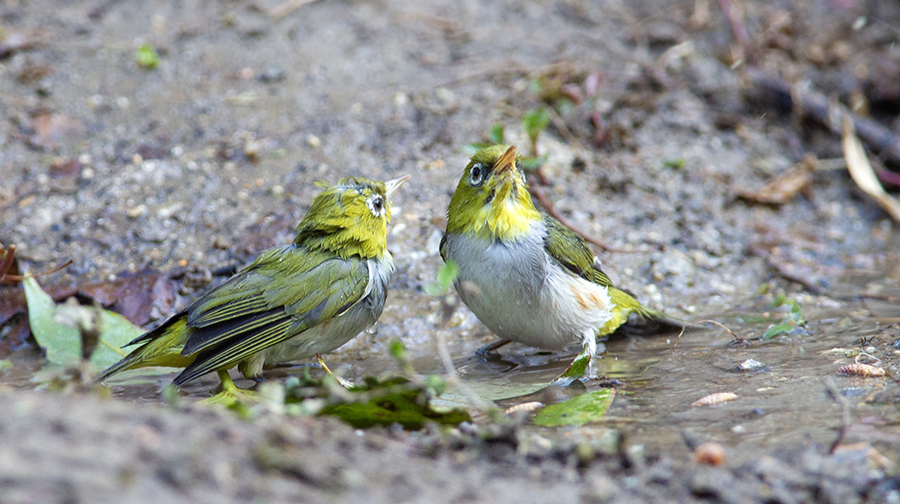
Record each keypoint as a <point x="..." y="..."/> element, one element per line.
<point x="443" y="247"/>
<point x="283" y="293"/>
<point x="572" y="252"/>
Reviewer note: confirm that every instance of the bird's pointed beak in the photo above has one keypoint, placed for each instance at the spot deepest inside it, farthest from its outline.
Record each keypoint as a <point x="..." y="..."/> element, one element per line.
<point x="507" y="161"/>
<point x="393" y="185"/>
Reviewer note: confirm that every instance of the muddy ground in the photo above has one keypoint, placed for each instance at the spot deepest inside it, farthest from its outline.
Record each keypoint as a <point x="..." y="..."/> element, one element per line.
<point x="187" y="170"/>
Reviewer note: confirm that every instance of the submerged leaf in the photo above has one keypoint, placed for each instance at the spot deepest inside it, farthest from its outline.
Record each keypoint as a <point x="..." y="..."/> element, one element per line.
<point x="489" y="391"/>
<point x="586" y="408"/>
<point x="5" y="364"/>
<point x="62" y="343"/>
<point x="777" y="329"/>
<point x="116" y="331"/>
<point x="390" y="401"/>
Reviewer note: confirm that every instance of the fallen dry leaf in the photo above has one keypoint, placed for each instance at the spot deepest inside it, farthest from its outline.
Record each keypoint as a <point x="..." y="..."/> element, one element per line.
<point x="49" y="128"/>
<point x="783" y="188"/>
<point x="862" y="172"/>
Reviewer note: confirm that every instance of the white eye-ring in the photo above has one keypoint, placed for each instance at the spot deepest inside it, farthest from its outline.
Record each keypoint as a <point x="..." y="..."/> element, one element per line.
<point x="476" y="175"/>
<point x="376" y="205"/>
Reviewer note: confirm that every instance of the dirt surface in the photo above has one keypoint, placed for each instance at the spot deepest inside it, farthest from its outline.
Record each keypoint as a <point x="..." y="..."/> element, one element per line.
<point x="191" y="168"/>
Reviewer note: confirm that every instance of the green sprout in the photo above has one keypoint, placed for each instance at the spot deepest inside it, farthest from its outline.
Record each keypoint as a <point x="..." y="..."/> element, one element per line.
<point x="534" y="122"/>
<point x="146" y="57"/>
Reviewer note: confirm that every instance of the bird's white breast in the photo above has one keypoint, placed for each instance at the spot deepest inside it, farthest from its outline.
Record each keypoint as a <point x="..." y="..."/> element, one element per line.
<point x="518" y="291"/>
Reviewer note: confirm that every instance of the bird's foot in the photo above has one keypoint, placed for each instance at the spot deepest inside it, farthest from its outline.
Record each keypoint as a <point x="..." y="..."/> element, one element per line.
<point x="491" y="347"/>
<point x="228" y="394"/>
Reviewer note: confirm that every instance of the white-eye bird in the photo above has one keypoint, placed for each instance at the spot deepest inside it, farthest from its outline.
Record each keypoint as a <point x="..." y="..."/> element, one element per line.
<point x="525" y="275"/>
<point x="292" y="302"/>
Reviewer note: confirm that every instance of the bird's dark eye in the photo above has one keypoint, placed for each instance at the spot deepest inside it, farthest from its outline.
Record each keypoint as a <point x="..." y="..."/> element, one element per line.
<point x="476" y="175"/>
<point x="377" y="204"/>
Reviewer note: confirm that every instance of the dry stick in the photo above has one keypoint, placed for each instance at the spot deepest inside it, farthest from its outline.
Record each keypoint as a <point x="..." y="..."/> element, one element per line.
<point x="561" y="126"/>
<point x="816" y="105"/>
<point x="845" y="413"/>
<point x="454" y="379"/>
<point x="512" y="68"/>
<point x="700" y="322"/>
<point x="551" y="210"/>
<point x="819" y="107"/>
<point x="285" y="9"/>
<point x="779" y="269"/>
<point x="737" y="28"/>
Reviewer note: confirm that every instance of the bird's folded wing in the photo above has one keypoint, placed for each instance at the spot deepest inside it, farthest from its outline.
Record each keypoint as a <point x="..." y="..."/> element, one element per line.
<point x="572" y="253"/>
<point x="277" y="297"/>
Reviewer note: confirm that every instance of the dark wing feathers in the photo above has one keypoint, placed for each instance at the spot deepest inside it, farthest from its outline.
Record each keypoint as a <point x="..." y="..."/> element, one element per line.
<point x="274" y="299"/>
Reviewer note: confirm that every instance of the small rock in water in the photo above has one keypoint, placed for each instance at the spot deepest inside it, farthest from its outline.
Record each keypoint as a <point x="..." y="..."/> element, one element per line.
<point x="750" y="365"/>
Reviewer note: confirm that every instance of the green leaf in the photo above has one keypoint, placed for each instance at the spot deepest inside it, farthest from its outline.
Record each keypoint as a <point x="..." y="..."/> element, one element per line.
<point x="797" y="315"/>
<point x="146" y="57"/>
<point x="398" y="350"/>
<point x="5" y="364"/>
<point x="674" y="163"/>
<point x="762" y="289"/>
<point x="579" y="366"/>
<point x="532" y="163"/>
<point x="497" y="134"/>
<point x="389" y="401"/>
<point x="586" y="408"/>
<point x="62" y="343"/>
<point x="444" y="279"/>
<point x="778" y="301"/>
<point x="116" y="331"/>
<point x="775" y="330"/>
<point x="534" y="122"/>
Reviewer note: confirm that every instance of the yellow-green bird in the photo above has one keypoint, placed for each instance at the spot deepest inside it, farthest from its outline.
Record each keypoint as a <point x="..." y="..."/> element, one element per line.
<point x="292" y="302"/>
<point x="524" y="274"/>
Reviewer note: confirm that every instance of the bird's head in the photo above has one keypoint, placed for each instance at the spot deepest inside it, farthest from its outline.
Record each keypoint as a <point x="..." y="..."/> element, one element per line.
<point x="350" y="218"/>
<point x="492" y="198"/>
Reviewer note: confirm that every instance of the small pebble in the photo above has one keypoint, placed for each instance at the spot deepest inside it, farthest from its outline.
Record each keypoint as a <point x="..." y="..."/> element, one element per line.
<point x="709" y="453"/>
<point x="526" y="407"/>
<point x="313" y="141"/>
<point x="749" y="365"/>
<point x="135" y="212"/>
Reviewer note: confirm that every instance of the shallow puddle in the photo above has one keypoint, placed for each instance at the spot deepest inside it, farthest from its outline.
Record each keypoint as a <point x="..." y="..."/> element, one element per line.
<point x="785" y="400"/>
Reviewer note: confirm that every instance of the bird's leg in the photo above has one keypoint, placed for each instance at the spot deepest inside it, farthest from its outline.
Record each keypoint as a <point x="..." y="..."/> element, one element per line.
<point x="490" y="347"/>
<point x="590" y="346"/>
<point x="229" y="394"/>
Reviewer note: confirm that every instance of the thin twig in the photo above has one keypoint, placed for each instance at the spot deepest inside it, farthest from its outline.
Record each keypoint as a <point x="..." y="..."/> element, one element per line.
<point x="563" y="129"/>
<point x="877" y="137"/>
<point x="539" y="195"/>
<point x="510" y="68"/>
<point x="780" y="269"/>
<point x="845" y="413"/>
<point x="453" y="378"/>
<point x="738" y="29"/>
<point x="701" y="322"/>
